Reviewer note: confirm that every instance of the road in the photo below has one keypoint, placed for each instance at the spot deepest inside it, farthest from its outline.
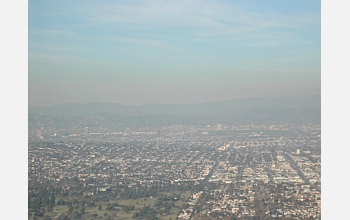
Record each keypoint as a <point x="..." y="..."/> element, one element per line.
<point x="300" y="173"/>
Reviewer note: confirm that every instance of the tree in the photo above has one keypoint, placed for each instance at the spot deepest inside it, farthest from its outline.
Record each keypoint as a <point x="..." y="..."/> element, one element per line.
<point x="82" y="210"/>
<point x="99" y="207"/>
<point x="114" y="215"/>
<point x="167" y="210"/>
<point x="49" y="208"/>
<point x="70" y="206"/>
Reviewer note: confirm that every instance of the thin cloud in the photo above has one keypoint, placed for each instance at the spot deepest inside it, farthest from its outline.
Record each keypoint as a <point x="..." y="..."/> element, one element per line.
<point x="151" y="43"/>
<point x="59" y="59"/>
<point x="215" y="18"/>
<point x="51" y="32"/>
<point x="53" y="47"/>
<point x="189" y="20"/>
<point x="261" y="44"/>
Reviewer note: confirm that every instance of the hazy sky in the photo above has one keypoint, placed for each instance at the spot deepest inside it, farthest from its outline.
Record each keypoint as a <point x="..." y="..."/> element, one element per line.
<point x="137" y="52"/>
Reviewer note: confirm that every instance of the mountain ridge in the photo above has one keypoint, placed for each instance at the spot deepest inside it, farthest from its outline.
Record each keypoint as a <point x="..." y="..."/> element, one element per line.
<point x="231" y="108"/>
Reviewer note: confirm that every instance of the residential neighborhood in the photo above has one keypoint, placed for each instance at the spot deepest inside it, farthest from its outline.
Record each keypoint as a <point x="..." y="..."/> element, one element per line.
<point x="230" y="172"/>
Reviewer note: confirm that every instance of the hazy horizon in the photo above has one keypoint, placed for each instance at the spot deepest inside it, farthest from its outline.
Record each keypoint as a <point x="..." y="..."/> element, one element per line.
<point x="252" y="97"/>
<point x="171" y="52"/>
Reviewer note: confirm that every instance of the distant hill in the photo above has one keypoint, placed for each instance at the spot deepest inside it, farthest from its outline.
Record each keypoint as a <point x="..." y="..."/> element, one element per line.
<point x="230" y="108"/>
<point x="295" y="115"/>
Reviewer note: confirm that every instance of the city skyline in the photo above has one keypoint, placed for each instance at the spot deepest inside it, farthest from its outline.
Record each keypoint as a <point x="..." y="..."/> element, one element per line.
<point x="136" y="53"/>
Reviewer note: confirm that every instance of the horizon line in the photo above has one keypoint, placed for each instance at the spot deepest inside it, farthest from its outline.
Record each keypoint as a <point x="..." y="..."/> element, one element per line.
<point x="248" y="97"/>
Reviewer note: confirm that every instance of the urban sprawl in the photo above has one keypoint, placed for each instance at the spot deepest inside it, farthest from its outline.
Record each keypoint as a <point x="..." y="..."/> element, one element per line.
<point x="176" y="172"/>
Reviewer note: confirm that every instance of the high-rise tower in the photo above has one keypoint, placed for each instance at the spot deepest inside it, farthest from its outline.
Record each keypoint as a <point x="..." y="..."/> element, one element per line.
<point x="86" y="131"/>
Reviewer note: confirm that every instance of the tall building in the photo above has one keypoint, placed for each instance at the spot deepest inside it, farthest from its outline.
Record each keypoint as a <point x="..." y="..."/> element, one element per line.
<point x="38" y="133"/>
<point x="298" y="151"/>
<point x="86" y="131"/>
<point x="219" y="127"/>
<point x="127" y="131"/>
